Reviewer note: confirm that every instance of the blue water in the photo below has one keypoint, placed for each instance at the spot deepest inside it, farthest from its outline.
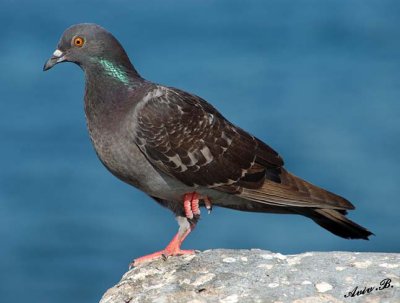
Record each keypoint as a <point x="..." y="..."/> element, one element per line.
<point x="317" y="80"/>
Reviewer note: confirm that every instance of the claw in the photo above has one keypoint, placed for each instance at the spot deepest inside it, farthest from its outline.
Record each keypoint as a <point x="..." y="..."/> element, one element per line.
<point x="208" y="204"/>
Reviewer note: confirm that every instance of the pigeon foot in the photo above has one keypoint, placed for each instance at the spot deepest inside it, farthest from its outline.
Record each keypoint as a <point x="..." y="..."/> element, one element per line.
<point x="172" y="249"/>
<point x="164" y="254"/>
<point x="191" y="204"/>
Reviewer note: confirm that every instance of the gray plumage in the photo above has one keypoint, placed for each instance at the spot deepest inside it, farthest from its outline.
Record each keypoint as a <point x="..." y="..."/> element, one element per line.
<point x="167" y="142"/>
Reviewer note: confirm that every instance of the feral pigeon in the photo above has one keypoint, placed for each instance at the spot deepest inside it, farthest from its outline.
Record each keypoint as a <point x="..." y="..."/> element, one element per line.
<point x="180" y="150"/>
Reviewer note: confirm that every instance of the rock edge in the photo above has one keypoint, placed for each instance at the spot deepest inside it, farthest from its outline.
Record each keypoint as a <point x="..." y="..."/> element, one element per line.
<point x="229" y="276"/>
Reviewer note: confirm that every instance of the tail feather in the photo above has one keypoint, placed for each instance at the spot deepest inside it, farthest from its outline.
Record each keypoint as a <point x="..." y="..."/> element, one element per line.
<point x="293" y="191"/>
<point x="336" y="222"/>
<point x="295" y="195"/>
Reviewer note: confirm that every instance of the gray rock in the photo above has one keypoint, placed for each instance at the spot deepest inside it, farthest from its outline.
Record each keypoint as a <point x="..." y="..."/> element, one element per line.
<point x="229" y="276"/>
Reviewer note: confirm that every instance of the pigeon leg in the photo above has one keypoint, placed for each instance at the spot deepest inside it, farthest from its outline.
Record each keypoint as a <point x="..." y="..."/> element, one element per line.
<point x="174" y="247"/>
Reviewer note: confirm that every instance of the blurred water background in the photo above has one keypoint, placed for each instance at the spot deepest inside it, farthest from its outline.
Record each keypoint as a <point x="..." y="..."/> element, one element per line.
<point x="317" y="80"/>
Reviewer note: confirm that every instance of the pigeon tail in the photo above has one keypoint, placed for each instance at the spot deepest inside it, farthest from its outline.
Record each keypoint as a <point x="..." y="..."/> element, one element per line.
<point x="336" y="222"/>
<point x="298" y="196"/>
<point x="331" y="218"/>
<point x="293" y="191"/>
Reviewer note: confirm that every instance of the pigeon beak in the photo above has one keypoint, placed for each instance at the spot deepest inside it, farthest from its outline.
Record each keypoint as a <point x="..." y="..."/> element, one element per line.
<point x="57" y="57"/>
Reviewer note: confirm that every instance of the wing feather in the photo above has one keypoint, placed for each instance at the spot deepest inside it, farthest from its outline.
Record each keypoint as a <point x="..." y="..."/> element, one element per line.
<point x="187" y="138"/>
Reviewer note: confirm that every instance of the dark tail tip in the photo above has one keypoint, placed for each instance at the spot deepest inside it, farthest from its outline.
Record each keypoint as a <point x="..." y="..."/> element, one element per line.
<point x="338" y="224"/>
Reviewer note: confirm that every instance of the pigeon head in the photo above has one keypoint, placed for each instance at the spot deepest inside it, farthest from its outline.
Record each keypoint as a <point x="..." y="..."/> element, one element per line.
<point x="89" y="45"/>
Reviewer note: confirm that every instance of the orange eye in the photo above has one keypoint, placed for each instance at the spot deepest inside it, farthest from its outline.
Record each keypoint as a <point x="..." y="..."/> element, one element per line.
<point x="78" y="41"/>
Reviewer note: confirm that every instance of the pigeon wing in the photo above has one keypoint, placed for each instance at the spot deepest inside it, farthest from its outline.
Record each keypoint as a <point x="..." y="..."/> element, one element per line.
<point x="187" y="138"/>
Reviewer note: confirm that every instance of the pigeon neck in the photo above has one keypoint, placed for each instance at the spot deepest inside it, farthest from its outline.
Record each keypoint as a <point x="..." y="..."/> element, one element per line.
<point x="117" y="72"/>
<point x="108" y="86"/>
<point x="121" y="74"/>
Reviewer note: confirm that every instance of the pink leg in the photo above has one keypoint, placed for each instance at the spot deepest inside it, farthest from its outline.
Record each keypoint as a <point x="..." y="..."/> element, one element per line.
<point x="191" y="207"/>
<point x="191" y="204"/>
<point x="172" y="249"/>
<point x="187" y="205"/>
<point x="195" y="204"/>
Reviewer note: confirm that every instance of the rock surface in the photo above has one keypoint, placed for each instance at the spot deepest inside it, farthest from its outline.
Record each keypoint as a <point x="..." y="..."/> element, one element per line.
<point x="229" y="276"/>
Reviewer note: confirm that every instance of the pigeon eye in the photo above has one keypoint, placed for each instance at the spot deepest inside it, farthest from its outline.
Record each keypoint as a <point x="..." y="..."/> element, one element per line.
<point x="78" y="41"/>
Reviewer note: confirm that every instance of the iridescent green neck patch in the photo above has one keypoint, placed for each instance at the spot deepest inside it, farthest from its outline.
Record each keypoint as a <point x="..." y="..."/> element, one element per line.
<point x="114" y="71"/>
